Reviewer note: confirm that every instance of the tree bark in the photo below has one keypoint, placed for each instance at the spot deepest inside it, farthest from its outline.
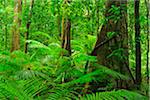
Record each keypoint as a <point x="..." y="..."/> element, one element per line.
<point x="147" y="3"/>
<point x="6" y="28"/>
<point x="66" y="27"/>
<point x="17" y="24"/>
<point x="118" y="42"/>
<point x="138" y="45"/>
<point x="28" y="26"/>
<point x="59" y="18"/>
<point x="97" y="16"/>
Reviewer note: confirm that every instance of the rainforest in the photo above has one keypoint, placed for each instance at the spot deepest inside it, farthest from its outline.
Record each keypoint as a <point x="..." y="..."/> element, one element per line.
<point x="74" y="49"/>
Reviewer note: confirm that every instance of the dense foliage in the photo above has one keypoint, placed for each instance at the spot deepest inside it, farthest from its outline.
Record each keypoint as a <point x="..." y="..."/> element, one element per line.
<point x="43" y="73"/>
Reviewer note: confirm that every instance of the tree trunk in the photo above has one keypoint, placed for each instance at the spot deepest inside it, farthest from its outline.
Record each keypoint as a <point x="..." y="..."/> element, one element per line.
<point x="6" y="37"/>
<point x="59" y="18"/>
<point x="66" y="27"/>
<point x="6" y="28"/>
<point x="138" y="45"/>
<point x="28" y="26"/>
<point x="113" y="38"/>
<point x="97" y="16"/>
<point x="17" y="24"/>
<point x="147" y="3"/>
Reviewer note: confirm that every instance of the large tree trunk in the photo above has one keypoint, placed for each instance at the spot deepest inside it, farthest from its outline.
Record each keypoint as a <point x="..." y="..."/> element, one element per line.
<point x="114" y="52"/>
<point x="17" y="24"/>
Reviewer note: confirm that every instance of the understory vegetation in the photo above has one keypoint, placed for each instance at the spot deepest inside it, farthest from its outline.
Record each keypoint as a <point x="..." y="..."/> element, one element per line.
<point x="74" y="50"/>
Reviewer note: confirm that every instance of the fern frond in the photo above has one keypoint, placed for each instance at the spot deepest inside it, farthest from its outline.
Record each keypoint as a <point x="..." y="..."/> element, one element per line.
<point x="34" y="87"/>
<point x="114" y="95"/>
<point x="98" y="73"/>
<point x="36" y="44"/>
<point x="61" y="94"/>
<point x="11" y="89"/>
<point x="29" y="74"/>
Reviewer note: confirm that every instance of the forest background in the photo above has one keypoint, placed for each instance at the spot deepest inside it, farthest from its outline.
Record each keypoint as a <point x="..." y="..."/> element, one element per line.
<point x="74" y="49"/>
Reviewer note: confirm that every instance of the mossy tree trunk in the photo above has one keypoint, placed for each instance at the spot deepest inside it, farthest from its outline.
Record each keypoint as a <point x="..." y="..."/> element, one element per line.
<point x="16" y="27"/>
<point x="147" y="3"/>
<point x="114" y="53"/>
